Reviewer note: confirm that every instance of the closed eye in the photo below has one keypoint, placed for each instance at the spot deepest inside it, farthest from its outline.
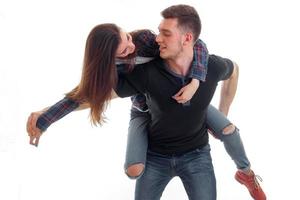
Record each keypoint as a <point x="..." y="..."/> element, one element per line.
<point x="128" y="36"/>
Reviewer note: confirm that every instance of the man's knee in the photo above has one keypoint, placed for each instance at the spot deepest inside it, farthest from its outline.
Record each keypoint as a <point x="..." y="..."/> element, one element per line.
<point x="135" y="170"/>
<point x="229" y="129"/>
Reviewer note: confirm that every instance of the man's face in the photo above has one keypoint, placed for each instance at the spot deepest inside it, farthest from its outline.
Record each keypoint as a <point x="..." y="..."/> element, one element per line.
<point x="126" y="45"/>
<point x="169" y="39"/>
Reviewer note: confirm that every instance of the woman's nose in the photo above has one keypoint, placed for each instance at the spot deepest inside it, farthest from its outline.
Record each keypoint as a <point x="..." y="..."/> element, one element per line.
<point x="132" y="47"/>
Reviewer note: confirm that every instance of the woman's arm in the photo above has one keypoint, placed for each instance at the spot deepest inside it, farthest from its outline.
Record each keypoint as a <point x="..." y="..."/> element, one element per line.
<point x="200" y="61"/>
<point x="146" y="46"/>
<point x="145" y="43"/>
<point x="198" y="73"/>
<point x="39" y="121"/>
<point x="57" y="111"/>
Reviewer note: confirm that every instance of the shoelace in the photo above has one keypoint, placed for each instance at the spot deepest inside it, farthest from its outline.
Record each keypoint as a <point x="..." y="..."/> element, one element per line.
<point x="256" y="183"/>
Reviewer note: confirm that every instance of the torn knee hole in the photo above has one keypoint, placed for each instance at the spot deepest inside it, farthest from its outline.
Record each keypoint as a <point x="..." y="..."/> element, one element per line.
<point x="229" y="129"/>
<point x="135" y="170"/>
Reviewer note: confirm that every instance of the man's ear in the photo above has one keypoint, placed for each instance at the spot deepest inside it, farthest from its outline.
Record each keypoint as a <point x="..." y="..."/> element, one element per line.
<point x="188" y="38"/>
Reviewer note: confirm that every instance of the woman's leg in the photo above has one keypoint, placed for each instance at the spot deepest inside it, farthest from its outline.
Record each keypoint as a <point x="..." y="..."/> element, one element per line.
<point x="224" y="130"/>
<point x="137" y="144"/>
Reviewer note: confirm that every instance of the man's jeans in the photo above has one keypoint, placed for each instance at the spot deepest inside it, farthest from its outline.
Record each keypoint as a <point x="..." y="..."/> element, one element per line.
<point x="194" y="168"/>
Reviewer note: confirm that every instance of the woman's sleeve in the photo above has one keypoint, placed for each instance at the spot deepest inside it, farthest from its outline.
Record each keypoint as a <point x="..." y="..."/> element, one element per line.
<point x="200" y="60"/>
<point x="145" y="43"/>
<point x="56" y="112"/>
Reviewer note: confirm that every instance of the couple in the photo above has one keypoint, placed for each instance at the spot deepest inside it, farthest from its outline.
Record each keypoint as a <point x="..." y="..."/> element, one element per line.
<point x="170" y="131"/>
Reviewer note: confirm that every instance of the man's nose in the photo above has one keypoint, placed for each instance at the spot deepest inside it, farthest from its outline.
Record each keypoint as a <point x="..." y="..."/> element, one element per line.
<point x="158" y="38"/>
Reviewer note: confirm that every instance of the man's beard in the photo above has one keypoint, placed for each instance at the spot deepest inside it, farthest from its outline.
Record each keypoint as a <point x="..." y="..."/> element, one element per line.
<point x="174" y="54"/>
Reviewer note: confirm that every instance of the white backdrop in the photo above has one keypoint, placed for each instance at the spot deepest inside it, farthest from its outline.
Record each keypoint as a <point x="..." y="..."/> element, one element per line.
<point x="41" y="53"/>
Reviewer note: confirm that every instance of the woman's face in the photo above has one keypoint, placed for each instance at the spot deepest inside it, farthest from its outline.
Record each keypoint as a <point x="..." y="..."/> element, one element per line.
<point x="126" y="46"/>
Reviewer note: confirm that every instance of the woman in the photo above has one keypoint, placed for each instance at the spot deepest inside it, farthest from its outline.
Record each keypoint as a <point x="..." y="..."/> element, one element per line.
<point x="107" y="45"/>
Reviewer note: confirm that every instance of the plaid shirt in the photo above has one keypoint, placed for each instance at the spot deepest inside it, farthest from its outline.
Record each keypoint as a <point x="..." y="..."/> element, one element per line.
<point x="56" y="112"/>
<point x="146" y="47"/>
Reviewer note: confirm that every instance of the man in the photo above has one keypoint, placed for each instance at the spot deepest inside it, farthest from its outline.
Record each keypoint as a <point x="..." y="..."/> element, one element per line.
<point x="178" y="139"/>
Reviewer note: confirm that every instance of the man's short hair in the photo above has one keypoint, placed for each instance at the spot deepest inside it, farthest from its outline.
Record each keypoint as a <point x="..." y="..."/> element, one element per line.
<point x="187" y="16"/>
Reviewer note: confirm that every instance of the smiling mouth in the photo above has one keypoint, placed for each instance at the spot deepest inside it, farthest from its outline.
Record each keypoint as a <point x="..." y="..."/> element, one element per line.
<point x="162" y="48"/>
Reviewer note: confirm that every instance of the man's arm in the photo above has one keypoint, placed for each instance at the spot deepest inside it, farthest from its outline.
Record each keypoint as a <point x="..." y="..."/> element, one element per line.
<point x="228" y="90"/>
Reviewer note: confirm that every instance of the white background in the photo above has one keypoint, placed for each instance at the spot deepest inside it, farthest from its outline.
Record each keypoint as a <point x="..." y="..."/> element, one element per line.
<point x="41" y="53"/>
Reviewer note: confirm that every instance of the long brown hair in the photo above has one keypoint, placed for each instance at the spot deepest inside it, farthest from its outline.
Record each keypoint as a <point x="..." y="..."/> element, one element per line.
<point x="99" y="75"/>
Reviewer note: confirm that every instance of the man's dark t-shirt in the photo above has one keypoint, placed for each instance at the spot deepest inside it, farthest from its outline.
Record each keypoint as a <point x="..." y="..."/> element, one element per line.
<point x="175" y="128"/>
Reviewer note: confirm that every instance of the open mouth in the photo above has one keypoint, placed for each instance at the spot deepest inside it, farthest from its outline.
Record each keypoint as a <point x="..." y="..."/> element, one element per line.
<point x="162" y="48"/>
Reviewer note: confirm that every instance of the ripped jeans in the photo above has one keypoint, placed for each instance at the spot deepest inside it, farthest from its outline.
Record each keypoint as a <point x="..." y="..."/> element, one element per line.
<point x="137" y="141"/>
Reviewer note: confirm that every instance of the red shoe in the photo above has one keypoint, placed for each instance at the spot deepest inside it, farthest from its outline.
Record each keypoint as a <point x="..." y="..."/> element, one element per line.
<point x="250" y="181"/>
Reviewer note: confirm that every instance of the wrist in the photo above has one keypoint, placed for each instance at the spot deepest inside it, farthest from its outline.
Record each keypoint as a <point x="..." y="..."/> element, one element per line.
<point x="195" y="83"/>
<point x="42" y="111"/>
<point x="224" y="110"/>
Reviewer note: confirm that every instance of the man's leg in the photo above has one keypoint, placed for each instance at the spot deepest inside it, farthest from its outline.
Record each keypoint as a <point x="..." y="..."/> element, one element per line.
<point x="137" y="144"/>
<point x="156" y="176"/>
<point x="224" y="130"/>
<point x="196" y="171"/>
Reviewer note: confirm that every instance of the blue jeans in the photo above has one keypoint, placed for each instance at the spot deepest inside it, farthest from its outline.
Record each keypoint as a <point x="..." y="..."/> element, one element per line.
<point x="216" y="122"/>
<point x="194" y="168"/>
<point x="137" y="141"/>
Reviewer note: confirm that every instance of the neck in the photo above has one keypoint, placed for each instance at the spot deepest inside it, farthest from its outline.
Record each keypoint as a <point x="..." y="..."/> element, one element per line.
<point x="182" y="62"/>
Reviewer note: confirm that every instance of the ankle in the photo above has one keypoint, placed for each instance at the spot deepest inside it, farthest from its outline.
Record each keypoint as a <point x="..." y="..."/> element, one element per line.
<point x="246" y="171"/>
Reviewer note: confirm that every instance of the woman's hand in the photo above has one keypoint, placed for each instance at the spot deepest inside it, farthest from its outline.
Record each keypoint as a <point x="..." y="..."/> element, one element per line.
<point x="34" y="132"/>
<point x="187" y="92"/>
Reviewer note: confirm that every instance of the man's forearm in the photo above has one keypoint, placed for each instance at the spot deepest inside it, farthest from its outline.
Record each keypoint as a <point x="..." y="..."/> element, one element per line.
<point x="228" y="91"/>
